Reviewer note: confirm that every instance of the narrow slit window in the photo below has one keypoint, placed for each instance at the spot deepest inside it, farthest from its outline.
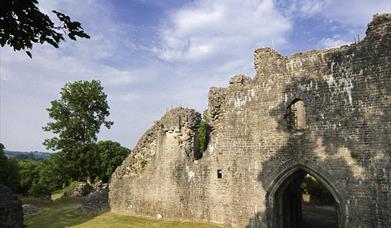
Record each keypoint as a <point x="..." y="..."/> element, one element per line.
<point x="219" y="174"/>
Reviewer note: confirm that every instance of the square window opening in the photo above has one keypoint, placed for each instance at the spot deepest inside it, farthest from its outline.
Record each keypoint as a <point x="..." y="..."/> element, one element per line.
<point x="219" y="174"/>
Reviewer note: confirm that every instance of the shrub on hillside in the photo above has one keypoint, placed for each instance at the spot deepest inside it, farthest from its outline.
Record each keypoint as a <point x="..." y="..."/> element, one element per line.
<point x="52" y="173"/>
<point x="39" y="190"/>
<point x="29" y="174"/>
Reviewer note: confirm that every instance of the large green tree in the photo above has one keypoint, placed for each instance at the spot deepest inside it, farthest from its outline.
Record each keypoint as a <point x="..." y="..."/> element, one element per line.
<point x="77" y="118"/>
<point x="22" y="24"/>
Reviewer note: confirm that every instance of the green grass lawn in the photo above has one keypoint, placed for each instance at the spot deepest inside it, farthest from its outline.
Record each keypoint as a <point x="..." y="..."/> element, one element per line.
<point x="58" y="214"/>
<point x="63" y="214"/>
<point x="114" y="220"/>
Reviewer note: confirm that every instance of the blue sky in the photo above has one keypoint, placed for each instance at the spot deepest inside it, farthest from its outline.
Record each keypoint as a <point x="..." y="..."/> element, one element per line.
<point x="153" y="55"/>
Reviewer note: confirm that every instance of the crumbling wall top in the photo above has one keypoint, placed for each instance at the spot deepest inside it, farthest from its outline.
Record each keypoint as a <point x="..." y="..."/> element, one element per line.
<point x="239" y="79"/>
<point x="269" y="62"/>
<point x="378" y="21"/>
<point x="173" y="121"/>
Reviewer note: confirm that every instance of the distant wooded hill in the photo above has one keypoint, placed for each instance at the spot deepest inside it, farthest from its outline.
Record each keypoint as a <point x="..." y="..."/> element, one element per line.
<point x="21" y="155"/>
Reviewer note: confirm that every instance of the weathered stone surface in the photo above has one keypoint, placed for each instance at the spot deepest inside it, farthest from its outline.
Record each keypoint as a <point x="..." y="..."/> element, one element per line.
<point x="11" y="212"/>
<point x="180" y="123"/>
<point x="96" y="201"/>
<point x="239" y="79"/>
<point x="80" y="190"/>
<point x="29" y="209"/>
<point x="345" y="142"/>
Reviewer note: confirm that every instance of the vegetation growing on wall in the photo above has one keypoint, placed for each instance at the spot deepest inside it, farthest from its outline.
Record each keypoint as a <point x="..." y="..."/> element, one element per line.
<point x="143" y="163"/>
<point x="203" y="132"/>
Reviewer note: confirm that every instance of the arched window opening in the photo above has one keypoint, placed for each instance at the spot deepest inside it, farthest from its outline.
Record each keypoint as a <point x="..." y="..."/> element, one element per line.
<point x="303" y="201"/>
<point x="296" y="116"/>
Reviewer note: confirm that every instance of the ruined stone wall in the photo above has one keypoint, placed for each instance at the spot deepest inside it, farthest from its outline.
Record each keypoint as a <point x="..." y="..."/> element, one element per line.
<point x="11" y="212"/>
<point x="155" y="178"/>
<point x="346" y="142"/>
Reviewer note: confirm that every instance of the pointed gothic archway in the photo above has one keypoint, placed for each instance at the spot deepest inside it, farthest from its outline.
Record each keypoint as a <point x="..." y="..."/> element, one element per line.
<point x="284" y="199"/>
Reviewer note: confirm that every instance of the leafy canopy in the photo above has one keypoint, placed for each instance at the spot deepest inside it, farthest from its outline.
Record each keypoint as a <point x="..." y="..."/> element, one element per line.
<point x="28" y="174"/>
<point x="77" y="115"/>
<point x="52" y="173"/>
<point x="109" y="155"/>
<point x="22" y="24"/>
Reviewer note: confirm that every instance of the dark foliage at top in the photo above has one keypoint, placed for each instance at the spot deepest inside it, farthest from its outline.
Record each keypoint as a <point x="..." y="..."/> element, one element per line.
<point x="22" y="24"/>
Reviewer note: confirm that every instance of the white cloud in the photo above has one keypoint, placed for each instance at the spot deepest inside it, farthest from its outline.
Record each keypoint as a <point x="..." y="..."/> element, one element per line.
<point x="332" y="42"/>
<point x="303" y="7"/>
<point x="331" y="23"/>
<point x="355" y="12"/>
<point x="226" y="29"/>
<point x="347" y="12"/>
<point x="311" y="6"/>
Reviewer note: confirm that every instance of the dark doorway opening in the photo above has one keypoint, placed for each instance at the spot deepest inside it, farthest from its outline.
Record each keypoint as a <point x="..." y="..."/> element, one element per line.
<point x="303" y="201"/>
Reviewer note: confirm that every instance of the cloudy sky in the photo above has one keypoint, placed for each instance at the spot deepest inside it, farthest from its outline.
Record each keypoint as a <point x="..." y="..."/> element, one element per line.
<point x="153" y="55"/>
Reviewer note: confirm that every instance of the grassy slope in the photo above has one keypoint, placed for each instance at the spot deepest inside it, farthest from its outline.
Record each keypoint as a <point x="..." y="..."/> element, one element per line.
<point x="64" y="214"/>
<point x="57" y="194"/>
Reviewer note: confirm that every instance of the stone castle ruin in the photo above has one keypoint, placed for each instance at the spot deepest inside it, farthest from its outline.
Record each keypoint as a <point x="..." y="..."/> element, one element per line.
<point x="323" y="113"/>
